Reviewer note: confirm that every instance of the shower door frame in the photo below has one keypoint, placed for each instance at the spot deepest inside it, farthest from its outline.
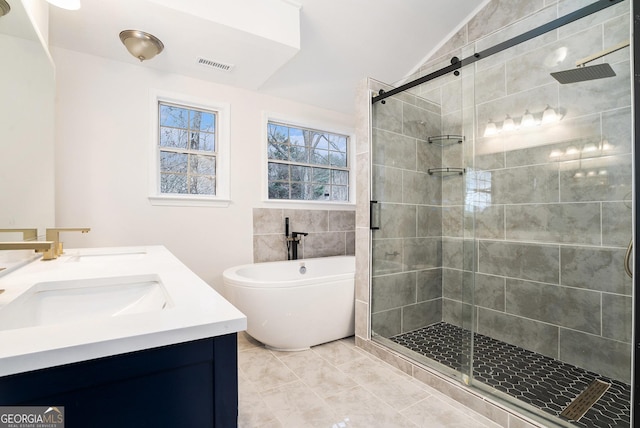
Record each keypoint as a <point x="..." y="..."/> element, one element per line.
<point x="635" y="61"/>
<point x="635" y="93"/>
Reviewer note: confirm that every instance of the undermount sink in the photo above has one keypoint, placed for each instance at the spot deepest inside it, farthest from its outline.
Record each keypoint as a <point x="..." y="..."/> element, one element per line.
<point x="13" y="260"/>
<point x="108" y="257"/>
<point x="56" y="302"/>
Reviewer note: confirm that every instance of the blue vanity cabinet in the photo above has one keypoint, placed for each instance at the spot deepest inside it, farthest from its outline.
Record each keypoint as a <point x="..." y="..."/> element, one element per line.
<point x="192" y="384"/>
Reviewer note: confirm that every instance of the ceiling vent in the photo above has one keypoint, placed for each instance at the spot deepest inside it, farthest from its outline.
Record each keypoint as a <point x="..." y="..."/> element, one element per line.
<point x="215" y="64"/>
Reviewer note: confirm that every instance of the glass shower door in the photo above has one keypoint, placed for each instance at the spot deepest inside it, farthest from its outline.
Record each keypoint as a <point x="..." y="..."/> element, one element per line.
<point x="418" y="237"/>
<point x="552" y="195"/>
<point x="509" y="273"/>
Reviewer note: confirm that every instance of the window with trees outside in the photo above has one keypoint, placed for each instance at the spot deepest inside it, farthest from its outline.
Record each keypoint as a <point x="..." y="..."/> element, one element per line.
<point x="188" y="149"/>
<point x="307" y="164"/>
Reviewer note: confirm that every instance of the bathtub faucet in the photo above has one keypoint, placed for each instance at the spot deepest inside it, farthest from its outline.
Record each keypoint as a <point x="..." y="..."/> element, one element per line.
<point x="295" y="240"/>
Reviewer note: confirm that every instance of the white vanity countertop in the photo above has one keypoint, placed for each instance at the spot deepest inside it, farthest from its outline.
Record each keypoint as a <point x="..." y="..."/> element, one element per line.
<point x="196" y="311"/>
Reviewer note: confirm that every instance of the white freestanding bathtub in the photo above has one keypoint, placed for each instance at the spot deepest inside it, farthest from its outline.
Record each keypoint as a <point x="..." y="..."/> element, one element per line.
<point x="292" y="305"/>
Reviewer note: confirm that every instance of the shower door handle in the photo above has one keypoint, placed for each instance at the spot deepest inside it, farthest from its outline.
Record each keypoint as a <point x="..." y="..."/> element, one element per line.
<point x="371" y="205"/>
<point x="627" y="260"/>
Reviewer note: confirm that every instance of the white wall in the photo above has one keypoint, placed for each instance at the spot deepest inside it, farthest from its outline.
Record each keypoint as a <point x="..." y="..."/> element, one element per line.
<point x="26" y="136"/>
<point x="102" y="143"/>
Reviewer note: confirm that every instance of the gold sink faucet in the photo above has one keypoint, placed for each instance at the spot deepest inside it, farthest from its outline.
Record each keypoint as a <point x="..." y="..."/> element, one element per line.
<point x="53" y="234"/>
<point x="30" y="242"/>
<point x="45" y="247"/>
<point x="30" y="234"/>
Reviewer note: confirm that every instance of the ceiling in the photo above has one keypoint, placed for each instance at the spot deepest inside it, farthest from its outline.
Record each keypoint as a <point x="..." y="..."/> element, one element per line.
<point x="334" y="45"/>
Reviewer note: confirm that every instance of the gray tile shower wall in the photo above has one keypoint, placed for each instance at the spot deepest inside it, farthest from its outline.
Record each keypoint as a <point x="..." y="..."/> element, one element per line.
<point x="530" y="177"/>
<point x="550" y="205"/>
<point x="407" y="250"/>
<point x="331" y="233"/>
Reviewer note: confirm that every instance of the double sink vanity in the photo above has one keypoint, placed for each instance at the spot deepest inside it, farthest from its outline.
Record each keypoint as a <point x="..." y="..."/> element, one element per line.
<point x="120" y="336"/>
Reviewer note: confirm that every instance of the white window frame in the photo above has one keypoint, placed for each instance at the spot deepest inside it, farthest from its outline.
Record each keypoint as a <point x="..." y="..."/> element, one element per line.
<point x="223" y="124"/>
<point x="322" y="127"/>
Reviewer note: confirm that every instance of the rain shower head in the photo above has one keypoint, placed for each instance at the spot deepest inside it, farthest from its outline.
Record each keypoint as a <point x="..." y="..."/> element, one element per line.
<point x="583" y="73"/>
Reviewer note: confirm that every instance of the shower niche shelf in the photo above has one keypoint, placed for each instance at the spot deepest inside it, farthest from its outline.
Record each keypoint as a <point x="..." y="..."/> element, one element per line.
<point x="446" y="171"/>
<point x="445" y="140"/>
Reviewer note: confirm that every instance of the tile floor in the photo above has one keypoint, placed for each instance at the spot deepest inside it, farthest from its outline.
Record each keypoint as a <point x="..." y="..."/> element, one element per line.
<point x="337" y="385"/>
<point x="540" y="381"/>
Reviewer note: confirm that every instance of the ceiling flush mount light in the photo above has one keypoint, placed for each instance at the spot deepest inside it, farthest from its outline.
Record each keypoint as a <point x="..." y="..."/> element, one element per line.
<point x="66" y="4"/>
<point x="4" y="8"/>
<point x="140" y="44"/>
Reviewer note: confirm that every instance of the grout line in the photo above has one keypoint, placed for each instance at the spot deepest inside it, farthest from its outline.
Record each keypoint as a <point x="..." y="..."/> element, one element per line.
<point x="602" y="314"/>
<point x="560" y="266"/>
<point x="601" y="223"/>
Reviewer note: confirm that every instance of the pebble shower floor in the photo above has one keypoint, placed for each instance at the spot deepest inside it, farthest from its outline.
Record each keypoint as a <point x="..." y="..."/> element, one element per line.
<point x="545" y="383"/>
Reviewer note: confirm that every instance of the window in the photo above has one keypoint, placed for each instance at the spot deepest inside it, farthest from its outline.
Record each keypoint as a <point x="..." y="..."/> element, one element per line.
<point x="190" y="152"/>
<point x="307" y="164"/>
<point x="187" y="146"/>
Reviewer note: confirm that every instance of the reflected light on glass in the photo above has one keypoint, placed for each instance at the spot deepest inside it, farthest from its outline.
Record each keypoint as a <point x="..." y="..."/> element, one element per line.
<point x="491" y="129"/>
<point x="602" y="172"/>
<point x="578" y="175"/>
<point x="591" y="174"/>
<point x="556" y="153"/>
<point x="549" y="115"/>
<point x="607" y="146"/>
<point x="527" y="120"/>
<point x="508" y="124"/>
<point x="556" y="57"/>
<point x="589" y="148"/>
<point x="572" y="150"/>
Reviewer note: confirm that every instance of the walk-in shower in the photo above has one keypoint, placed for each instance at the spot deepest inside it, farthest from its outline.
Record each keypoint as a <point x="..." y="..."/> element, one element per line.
<point x="501" y="212"/>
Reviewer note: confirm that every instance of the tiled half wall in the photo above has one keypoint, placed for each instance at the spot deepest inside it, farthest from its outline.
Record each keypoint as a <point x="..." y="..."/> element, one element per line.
<point x="331" y="233"/>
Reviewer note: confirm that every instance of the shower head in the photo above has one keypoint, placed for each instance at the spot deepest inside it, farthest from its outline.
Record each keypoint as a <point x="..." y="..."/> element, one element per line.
<point x="583" y="73"/>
